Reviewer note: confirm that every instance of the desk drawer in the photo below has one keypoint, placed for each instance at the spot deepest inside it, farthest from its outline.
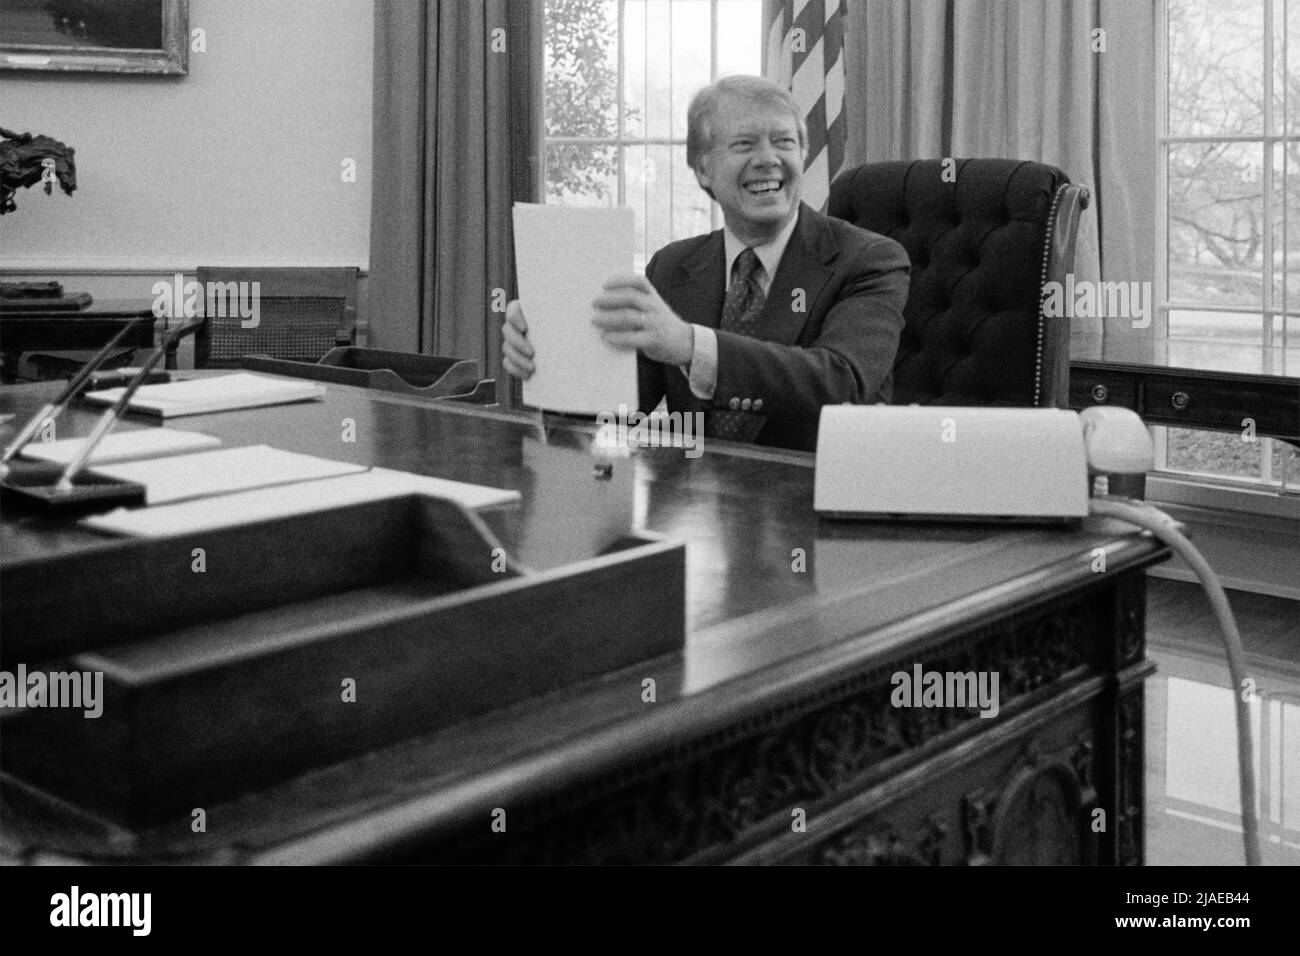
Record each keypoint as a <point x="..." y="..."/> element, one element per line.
<point x="1089" y="388"/>
<point x="1206" y="404"/>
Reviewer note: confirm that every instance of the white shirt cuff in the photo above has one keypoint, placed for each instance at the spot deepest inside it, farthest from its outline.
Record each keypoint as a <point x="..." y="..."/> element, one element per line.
<point x="703" y="371"/>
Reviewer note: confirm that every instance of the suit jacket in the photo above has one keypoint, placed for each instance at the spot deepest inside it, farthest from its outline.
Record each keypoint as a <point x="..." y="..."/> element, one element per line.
<point x="828" y="332"/>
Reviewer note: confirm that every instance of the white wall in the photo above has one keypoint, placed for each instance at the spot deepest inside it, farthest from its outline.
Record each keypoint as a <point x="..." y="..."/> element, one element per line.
<point x="237" y="163"/>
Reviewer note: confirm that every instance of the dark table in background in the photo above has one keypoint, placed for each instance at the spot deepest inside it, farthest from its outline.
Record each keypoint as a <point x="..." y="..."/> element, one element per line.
<point x="1190" y="383"/>
<point x="778" y="709"/>
<point x="35" y="330"/>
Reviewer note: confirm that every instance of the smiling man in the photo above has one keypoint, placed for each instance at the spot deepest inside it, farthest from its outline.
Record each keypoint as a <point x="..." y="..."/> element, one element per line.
<point x="763" y="322"/>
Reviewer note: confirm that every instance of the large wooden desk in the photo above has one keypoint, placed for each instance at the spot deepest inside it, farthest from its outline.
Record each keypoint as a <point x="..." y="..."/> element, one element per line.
<point x="771" y="738"/>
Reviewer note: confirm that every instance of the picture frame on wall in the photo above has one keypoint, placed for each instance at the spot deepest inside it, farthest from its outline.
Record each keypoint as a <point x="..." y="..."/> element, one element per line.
<point x="95" y="36"/>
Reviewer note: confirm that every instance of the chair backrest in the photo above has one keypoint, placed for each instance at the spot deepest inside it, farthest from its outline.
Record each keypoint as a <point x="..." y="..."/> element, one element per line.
<point x="984" y="237"/>
<point x="302" y="314"/>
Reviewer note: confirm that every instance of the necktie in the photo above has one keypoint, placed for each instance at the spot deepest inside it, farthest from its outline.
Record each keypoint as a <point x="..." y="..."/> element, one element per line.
<point x="745" y="297"/>
<point x="740" y="312"/>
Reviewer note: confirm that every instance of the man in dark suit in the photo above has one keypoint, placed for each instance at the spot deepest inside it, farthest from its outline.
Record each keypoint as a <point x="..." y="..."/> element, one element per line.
<point x="760" y="324"/>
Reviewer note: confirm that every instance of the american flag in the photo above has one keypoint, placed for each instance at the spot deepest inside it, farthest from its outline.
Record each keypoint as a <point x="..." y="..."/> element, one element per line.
<point x="805" y="54"/>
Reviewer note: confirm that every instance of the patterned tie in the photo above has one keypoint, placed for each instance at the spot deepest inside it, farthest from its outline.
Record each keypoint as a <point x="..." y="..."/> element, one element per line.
<point x="740" y="312"/>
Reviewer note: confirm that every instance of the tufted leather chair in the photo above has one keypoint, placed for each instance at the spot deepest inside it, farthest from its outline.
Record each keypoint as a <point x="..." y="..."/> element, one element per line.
<point x="982" y="247"/>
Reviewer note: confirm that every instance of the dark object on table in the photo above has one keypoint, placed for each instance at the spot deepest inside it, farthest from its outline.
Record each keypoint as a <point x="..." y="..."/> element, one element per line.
<point x="432" y="376"/>
<point x="75" y="302"/>
<point x="109" y="377"/>
<point x="31" y="290"/>
<point x="48" y="367"/>
<point x="27" y="330"/>
<point x="29" y="489"/>
<point x="24" y="159"/>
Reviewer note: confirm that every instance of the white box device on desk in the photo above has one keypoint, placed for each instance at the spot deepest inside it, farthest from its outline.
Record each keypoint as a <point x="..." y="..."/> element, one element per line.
<point x="951" y="462"/>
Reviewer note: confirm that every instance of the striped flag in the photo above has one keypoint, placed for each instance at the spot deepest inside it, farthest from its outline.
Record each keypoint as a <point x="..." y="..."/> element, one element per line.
<point x="805" y="54"/>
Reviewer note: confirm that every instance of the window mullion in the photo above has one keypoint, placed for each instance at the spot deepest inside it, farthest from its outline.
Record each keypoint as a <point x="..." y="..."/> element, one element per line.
<point x="618" y="98"/>
<point x="1266" y="330"/>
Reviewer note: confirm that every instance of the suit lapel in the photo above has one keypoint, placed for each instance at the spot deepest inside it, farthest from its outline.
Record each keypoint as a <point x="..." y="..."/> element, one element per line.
<point x="799" y="280"/>
<point x="705" y="286"/>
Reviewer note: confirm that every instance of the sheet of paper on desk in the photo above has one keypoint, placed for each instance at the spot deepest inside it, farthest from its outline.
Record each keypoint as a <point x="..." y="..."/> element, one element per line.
<point x="220" y="472"/>
<point x="563" y="256"/>
<point x="122" y="446"/>
<point x="264" y="504"/>
<point x="217" y="393"/>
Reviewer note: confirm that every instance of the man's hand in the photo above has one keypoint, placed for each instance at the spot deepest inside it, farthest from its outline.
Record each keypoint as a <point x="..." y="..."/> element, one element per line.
<point x="631" y="315"/>
<point x="516" y="350"/>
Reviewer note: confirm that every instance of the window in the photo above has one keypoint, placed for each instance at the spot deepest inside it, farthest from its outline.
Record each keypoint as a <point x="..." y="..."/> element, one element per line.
<point x="619" y="76"/>
<point x="1229" y="264"/>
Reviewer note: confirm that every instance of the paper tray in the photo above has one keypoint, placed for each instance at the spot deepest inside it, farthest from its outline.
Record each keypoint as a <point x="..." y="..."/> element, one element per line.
<point x="429" y="375"/>
<point x="223" y="681"/>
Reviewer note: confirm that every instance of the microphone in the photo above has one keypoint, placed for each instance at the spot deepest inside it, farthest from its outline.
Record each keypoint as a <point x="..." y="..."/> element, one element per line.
<point x="94" y="493"/>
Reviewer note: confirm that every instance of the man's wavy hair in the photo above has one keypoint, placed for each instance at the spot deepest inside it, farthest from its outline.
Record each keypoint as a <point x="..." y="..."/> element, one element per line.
<point x="704" y="105"/>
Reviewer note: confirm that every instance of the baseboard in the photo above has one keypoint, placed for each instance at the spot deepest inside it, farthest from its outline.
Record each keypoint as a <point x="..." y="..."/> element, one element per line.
<point x="1255" y="553"/>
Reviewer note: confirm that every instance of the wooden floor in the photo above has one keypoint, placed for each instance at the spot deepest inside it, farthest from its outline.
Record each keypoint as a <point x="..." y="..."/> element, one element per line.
<point x="1191" y="751"/>
<point x="1179" y="616"/>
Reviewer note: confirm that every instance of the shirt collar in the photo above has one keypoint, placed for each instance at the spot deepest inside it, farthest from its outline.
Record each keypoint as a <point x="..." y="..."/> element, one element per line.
<point x="769" y="254"/>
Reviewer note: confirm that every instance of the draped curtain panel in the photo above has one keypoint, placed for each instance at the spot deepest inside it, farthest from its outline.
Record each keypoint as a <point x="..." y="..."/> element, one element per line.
<point x="1019" y="79"/>
<point x="456" y="142"/>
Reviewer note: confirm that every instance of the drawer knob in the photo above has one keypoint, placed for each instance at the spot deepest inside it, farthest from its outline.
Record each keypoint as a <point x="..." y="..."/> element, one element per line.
<point x="1100" y="393"/>
<point x="1180" y="400"/>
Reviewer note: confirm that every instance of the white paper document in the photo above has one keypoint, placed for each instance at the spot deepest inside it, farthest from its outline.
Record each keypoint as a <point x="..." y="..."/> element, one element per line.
<point x="216" y="393"/>
<point x="265" y="504"/>
<point x="223" y="471"/>
<point x="122" y="446"/>
<point x="564" y="256"/>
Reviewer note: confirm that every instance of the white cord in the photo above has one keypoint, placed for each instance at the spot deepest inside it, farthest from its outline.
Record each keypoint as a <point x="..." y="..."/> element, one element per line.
<point x="1162" y="526"/>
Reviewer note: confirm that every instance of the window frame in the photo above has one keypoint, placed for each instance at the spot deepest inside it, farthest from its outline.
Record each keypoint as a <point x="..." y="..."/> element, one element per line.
<point x="1226" y="491"/>
<point x="620" y="141"/>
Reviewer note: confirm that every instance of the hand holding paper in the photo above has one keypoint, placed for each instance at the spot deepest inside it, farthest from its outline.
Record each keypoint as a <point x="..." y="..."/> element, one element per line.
<point x="631" y="315"/>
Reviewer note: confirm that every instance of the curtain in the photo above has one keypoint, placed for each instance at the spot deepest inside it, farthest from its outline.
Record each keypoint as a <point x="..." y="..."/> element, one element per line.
<point x="456" y="142"/>
<point x="1020" y="79"/>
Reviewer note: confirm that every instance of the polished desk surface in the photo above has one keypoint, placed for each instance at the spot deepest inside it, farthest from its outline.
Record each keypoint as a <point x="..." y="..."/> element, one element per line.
<point x="757" y="628"/>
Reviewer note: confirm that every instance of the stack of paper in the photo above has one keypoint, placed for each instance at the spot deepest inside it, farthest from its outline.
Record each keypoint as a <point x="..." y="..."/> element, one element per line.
<point x="266" y="504"/>
<point x="576" y="370"/>
<point x="122" y="446"/>
<point x="221" y="472"/>
<point x="217" y="393"/>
